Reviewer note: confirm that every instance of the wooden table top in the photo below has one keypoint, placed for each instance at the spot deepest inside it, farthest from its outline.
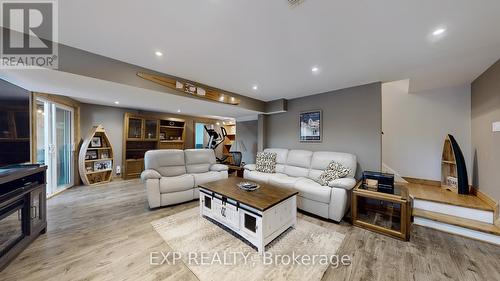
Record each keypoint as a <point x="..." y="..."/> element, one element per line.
<point x="261" y="199"/>
<point x="235" y="167"/>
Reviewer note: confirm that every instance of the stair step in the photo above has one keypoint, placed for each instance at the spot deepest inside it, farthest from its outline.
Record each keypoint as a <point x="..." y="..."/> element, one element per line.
<point x="458" y="221"/>
<point x="454" y="210"/>
<point x="441" y="195"/>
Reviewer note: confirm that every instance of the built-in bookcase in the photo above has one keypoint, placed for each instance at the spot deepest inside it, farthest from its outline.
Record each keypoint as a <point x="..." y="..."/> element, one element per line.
<point x="96" y="160"/>
<point x="143" y="133"/>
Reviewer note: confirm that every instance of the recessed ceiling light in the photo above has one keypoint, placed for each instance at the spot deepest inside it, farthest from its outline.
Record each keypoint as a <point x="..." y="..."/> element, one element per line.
<point x="439" y="31"/>
<point x="117" y="102"/>
<point x="255" y="87"/>
<point x="40" y="111"/>
<point x="221" y="98"/>
<point x="178" y="111"/>
<point x="158" y="53"/>
<point x="218" y="124"/>
<point x="315" y="69"/>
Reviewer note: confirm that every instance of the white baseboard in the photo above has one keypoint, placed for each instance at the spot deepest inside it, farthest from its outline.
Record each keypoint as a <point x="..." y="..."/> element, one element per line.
<point x="452" y="210"/>
<point x="478" y="235"/>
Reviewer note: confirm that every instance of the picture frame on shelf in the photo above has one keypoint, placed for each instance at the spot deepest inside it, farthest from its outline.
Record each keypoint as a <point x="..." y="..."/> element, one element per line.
<point x="96" y="142"/>
<point x="103" y="165"/>
<point x="91" y="155"/>
<point x="104" y="154"/>
<point x="89" y="169"/>
<point x="310" y="126"/>
<point x="163" y="136"/>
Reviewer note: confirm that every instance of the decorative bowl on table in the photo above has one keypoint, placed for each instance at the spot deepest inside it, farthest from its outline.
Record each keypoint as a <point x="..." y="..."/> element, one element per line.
<point x="248" y="186"/>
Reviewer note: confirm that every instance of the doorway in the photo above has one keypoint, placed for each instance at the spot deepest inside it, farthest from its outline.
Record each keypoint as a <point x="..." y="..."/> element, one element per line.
<point x="55" y="146"/>
<point x="201" y="138"/>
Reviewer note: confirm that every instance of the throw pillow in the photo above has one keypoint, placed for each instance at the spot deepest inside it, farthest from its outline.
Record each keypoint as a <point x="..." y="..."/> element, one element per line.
<point x="332" y="172"/>
<point x="266" y="162"/>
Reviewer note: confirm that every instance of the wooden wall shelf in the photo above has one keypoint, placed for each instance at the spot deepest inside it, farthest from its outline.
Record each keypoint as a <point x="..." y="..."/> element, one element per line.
<point x="191" y="89"/>
<point x="87" y="164"/>
<point x="228" y="142"/>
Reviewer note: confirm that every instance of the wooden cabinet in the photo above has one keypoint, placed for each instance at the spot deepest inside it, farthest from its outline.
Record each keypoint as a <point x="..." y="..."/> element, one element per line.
<point x="134" y="167"/>
<point x="143" y="133"/>
<point x="134" y="128"/>
<point x="151" y="129"/>
<point x="138" y="128"/>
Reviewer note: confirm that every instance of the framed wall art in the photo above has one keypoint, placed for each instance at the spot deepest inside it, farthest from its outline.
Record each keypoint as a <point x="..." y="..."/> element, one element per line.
<point x="310" y="124"/>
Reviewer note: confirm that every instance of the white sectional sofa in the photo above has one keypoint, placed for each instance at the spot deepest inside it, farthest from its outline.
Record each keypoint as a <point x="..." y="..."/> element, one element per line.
<point x="172" y="176"/>
<point x="298" y="169"/>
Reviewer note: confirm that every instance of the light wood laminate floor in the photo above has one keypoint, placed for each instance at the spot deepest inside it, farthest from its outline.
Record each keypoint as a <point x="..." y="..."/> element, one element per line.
<point x="104" y="233"/>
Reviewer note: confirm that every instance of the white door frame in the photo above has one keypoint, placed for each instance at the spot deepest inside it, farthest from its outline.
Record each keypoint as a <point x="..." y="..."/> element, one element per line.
<point x="50" y="136"/>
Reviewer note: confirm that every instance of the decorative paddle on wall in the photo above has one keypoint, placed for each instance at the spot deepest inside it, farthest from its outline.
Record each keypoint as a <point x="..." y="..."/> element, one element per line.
<point x="191" y="88"/>
<point x="453" y="169"/>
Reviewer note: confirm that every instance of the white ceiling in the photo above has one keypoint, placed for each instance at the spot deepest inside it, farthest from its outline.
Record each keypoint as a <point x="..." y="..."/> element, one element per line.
<point x="95" y="91"/>
<point x="234" y="44"/>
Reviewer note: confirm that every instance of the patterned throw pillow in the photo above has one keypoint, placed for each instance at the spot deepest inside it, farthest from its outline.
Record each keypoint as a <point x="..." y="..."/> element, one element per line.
<point x="332" y="172"/>
<point x="266" y="162"/>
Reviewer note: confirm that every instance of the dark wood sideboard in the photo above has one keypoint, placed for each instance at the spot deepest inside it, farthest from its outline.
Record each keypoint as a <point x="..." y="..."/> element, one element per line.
<point x="23" y="209"/>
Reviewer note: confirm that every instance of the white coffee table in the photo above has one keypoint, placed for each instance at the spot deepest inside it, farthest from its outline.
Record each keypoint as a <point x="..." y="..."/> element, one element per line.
<point x="258" y="216"/>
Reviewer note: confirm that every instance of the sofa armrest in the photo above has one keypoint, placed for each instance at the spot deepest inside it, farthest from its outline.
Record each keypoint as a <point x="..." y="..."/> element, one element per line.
<point x="218" y="167"/>
<point x="150" y="174"/>
<point x="250" y="167"/>
<point x="345" y="183"/>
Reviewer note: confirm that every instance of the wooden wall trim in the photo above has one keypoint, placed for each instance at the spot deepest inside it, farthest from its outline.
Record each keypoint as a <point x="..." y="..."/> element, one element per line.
<point x="488" y="200"/>
<point x="422" y="181"/>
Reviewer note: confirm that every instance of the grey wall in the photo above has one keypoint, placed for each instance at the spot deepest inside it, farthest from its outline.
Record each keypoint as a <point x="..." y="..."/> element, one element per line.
<point x="416" y="124"/>
<point x="485" y="101"/>
<point x="247" y="132"/>
<point x="352" y="122"/>
<point x="112" y="120"/>
<point x="261" y="132"/>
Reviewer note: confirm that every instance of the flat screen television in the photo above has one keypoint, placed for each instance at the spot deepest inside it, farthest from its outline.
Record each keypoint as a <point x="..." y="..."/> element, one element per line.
<point x="14" y="124"/>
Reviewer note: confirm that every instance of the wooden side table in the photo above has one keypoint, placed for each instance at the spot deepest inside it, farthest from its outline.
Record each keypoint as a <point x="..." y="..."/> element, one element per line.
<point x="236" y="169"/>
<point x="384" y="213"/>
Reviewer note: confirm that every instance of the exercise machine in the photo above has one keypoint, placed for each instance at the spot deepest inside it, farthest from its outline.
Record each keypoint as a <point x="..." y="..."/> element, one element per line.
<point x="215" y="139"/>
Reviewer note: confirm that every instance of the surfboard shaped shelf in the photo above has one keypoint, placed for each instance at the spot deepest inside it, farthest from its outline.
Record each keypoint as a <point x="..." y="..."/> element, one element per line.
<point x="453" y="169"/>
<point x="95" y="161"/>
